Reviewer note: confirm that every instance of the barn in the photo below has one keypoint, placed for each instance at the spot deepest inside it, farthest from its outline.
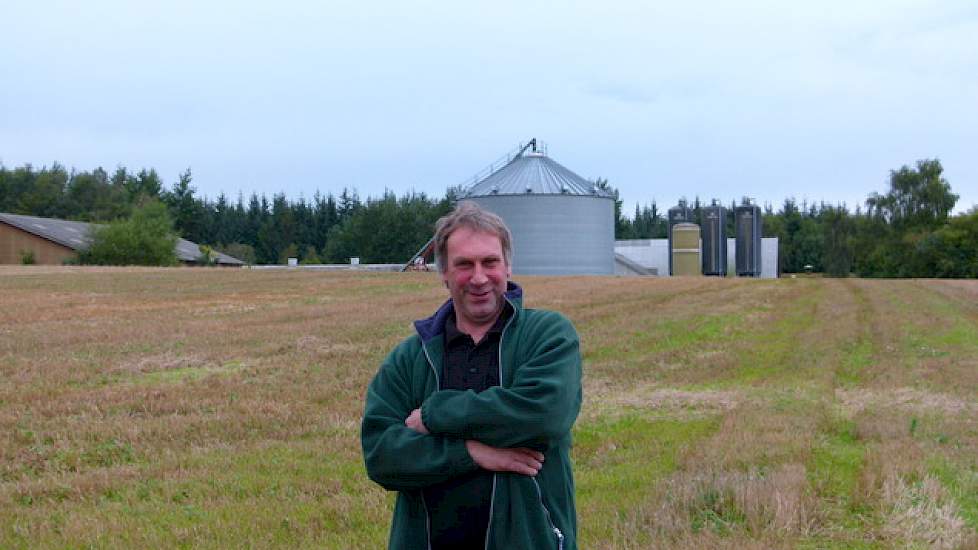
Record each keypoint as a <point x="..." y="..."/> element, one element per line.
<point x="53" y="242"/>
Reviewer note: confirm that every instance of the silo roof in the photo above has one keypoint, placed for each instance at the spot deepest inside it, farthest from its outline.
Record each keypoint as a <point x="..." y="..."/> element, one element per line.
<point x="535" y="173"/>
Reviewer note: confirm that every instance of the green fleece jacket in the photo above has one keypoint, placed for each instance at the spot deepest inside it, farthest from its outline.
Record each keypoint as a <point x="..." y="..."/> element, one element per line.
<point x="535" y="405"/>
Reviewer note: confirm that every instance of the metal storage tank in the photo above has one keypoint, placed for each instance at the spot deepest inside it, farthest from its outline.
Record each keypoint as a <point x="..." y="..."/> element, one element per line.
<point x="714" y="240"/>
<point x="562" y="224"/>
<point x="685" y="249"/>
<point x="748" y="223"/>
<point x="676" y="215"/>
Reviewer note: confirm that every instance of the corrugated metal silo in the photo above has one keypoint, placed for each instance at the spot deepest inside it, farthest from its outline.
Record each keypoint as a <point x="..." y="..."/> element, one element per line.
<point x="562" y="224"/>
<point x="685" y="250"/>
<point x="714" y="240"/>
<point x="748" y="223"/>
<point x="676" y="215"/>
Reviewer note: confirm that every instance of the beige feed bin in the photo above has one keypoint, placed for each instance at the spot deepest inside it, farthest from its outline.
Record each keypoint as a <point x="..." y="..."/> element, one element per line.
<point x="686" y="250"/>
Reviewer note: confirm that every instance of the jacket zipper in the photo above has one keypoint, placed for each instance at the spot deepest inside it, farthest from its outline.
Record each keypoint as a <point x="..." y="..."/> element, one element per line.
<point x="427" y="520"/>
<point x="492" y="499"/>
<point x="546" y="512"/>
<point x="499" y="372"/>
<point x="427" y="516"/>
<point x="431" y="364"/>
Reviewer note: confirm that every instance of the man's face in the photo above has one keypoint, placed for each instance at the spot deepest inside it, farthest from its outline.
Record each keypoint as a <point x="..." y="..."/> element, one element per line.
<point x="475" y="274"/>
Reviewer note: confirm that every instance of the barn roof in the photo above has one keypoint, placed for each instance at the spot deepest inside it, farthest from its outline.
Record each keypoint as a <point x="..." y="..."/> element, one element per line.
<point x="74" y="235"/>
<point x="78" y="236"/>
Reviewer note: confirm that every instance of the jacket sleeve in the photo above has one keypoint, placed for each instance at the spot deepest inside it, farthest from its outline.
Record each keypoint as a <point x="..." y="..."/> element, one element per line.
<point x="538" y="408"/>
<point x="397" y="457"/>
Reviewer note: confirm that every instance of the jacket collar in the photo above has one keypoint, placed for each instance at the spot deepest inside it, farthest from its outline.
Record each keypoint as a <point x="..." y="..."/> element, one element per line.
<point x="434" y="326"/>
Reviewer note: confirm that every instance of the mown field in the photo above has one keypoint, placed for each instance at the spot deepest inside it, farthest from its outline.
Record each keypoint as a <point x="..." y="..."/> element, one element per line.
<point x="207" y="408"/>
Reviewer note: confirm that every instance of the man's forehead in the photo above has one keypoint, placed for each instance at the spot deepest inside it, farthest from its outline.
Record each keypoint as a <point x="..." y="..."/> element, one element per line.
<point x="474" y="235"/>
<point x="465" y="241"/>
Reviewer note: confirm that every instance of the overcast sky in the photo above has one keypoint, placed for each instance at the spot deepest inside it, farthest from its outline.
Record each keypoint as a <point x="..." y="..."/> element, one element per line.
<point x="816" y="100"/>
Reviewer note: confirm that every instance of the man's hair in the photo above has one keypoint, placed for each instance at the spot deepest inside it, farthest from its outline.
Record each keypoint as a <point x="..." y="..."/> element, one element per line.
<point x="471" y="215"/>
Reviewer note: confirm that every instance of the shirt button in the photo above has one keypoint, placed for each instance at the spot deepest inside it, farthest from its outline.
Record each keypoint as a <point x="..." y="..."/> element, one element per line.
<point x="472" y="370"/>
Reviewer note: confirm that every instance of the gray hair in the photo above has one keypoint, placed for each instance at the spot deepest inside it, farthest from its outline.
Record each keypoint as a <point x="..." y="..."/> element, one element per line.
<point x="471" y="215"/>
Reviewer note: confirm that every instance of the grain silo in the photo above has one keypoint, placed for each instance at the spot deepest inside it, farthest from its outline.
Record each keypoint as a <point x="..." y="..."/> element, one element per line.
<point x="747" y="220"/>
<point x="562" y="224"/>
<point x="714" y="240"/>
<point x="676" y="215"/>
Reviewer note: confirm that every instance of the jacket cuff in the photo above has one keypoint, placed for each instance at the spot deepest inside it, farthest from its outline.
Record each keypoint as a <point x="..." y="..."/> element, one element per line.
<point x="465" y="463"/>
<point x="427" y="418"/>
<point x="439" y="416"/>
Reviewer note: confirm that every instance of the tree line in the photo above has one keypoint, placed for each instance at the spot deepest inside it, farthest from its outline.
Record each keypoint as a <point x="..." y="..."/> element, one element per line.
<point x="908" y="231"/>
<point x="325" y="229"/>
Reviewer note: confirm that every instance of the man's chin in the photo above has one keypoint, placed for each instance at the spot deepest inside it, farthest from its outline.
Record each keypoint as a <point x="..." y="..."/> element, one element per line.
<point x="483" y="313"/>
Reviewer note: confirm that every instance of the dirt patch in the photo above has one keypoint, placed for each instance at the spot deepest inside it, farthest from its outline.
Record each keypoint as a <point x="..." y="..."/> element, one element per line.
<point x="956" y="288"/>
<point x="162" y="362"/>
<point x="320" y="345"/>
<point x="672" y="399"/>
<point x="604" y="398"/>
<point x="858" y="400"/>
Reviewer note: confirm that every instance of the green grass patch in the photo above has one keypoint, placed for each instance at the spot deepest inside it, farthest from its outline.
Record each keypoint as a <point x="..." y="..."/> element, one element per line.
<point x="668" y="335"/>
<point x="618" y="462"/>
<point x="837" y="459"/>
<point x="855" y="358"/>
<point x="714" y="509"/>
<point x="287" y="495"/>
<point x="962" y="335"/>
<point x="956" y="333"/>
<point x="773" y="351"/>
<point x="186" y="374"/>
<point x="962" y="484"/>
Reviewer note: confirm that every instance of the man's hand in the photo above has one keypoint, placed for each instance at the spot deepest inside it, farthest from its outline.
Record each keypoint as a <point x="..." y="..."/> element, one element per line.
<point x="520" y="460"/>
<point x="414" y="422"/>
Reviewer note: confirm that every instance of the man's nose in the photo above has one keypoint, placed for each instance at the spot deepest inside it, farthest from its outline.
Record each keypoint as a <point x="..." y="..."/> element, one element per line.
<point x="479" y="275"/>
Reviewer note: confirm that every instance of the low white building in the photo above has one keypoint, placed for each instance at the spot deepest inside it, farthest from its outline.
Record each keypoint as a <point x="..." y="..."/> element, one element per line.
<point x="653" y="254"/>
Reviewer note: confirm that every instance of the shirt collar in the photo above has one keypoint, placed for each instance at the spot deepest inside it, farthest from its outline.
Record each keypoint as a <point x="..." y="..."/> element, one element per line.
<point x="452" y="333"/>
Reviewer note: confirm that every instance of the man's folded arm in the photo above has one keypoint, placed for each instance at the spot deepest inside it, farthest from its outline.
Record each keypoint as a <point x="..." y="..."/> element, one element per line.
<point x="538" y="408"/>
<point x="397" y="457"/>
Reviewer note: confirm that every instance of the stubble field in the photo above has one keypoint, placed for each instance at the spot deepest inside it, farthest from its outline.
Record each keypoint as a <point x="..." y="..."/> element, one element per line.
<point x="207" y="408"/>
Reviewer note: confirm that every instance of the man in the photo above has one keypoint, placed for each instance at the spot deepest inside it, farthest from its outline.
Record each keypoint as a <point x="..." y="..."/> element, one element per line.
<point x="469" y="418"/>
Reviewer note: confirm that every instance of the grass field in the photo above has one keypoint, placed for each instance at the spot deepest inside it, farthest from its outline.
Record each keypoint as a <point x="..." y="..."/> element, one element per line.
<point x="207" y="408"/>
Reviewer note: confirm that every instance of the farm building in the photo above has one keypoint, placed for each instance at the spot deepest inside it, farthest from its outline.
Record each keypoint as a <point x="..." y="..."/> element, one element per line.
<point x="562" y="224"/>
<point x="653" y="255"/>
<point x="53" y="241"/>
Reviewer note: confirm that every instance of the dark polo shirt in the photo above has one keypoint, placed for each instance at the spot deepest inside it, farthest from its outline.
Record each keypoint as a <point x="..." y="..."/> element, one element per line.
<point x="468" y="366"/>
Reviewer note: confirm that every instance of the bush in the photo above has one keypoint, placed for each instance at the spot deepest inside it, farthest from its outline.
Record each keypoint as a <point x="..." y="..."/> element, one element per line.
<point x="310" y="257"/>
<point x="207" y="256"/>
<point x="27" y="257"/>
<point x="146" y="238"/>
